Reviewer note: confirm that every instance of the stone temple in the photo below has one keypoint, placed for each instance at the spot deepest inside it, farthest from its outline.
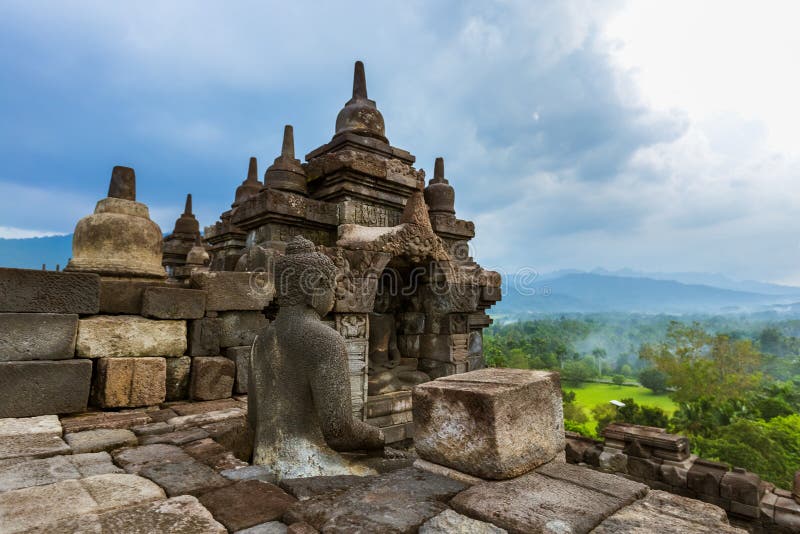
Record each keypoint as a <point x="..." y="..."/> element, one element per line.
<point x="312" y="362"/>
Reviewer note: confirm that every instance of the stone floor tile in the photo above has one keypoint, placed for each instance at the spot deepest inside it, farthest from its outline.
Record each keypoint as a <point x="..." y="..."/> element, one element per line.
<point x="194" y="408"/>
<point x="184" y="478"/>
<point x="247" y="503"/>
<point x="102" y="439"/>
<point x="178" y="437"/>
<point x="212" y="454"/>
<point x="93" y="421"/>
<point x="270" y="527"/>
<point x="38" y="445"/>
<point x="450" y="522"/>
<point x="135" y="459"/>
<point x="55" y="469"/>
<point x="251" y="472"/>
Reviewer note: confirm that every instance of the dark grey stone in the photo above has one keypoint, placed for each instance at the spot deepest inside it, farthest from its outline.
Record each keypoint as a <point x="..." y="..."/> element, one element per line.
<point x="178" y="378"/>
<point x="305" y="488"/>
<point x="204" y="337"/>
<point x="32" y="291"/>
<point x="122" y="296"/>
<point x="241" y="357"/>
<point x="40" y="388"/>
<point x="173" y="303"/>
<point x="212" y="378"/>
<point x="705" y="476"/>
<point x="239" y="328"/>
<point x="123" y="183"/>
<point x="37" y="336"/>
<point x="251" y="472"/>
<point x="184" y="478"/>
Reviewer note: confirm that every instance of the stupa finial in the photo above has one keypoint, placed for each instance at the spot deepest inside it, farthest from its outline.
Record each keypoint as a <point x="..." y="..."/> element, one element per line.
<point x="287" y="150"/>
<point x="187" y="210"/>
<point x="438" y="172"/>
<point x="252" y="171"/>
<point x="123" y="183"/>
<point x="359" y="81"/>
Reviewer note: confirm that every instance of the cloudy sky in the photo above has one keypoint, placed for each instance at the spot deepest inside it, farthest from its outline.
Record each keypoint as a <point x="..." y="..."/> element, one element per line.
<point x="658" y="136"/>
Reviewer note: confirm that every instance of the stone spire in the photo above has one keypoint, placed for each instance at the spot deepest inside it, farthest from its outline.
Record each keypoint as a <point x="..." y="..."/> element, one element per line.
<point x="250" y="186"/>
<point x="286" y="173"/>
<point x="360" y="115"/>
<point x="186" y="223"/>
<point x="123" y="183"/>
<point x="198" y="255"/>
<point x="440" y="195"/>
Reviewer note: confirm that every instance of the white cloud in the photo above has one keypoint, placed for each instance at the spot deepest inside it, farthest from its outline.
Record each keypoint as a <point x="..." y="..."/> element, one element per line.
<point x="9" y="232"/>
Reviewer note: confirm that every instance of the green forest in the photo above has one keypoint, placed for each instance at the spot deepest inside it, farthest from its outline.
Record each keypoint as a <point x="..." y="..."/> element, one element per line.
<point x="731" y="384"/>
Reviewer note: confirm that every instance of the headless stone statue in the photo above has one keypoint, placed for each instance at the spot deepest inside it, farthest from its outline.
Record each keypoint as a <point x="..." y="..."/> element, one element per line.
<point x="299" y="402"/>
<point x="387" y="372"/>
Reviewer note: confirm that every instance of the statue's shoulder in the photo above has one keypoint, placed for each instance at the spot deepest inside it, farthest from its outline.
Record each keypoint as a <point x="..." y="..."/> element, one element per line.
<point x="319" y="334"/>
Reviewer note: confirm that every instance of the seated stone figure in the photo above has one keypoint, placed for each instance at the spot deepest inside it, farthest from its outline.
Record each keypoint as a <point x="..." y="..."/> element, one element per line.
<point x="387" y="373"/>
<point x="299" y="403"/>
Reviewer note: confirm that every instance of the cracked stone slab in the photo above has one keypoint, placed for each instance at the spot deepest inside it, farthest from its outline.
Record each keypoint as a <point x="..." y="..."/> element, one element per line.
<point x="28" y="508"/>
<point x="540" y="503"/>
<point x="93" y="421"/>
<point x="135" y="459"/>
<point x="102" y="439"/>
<point x="450" y="522"/>
<point x="184" y="478"/>
<point x="55" y="469"/>
<point x="247" y="503"/>
<point x="178" y="515"/>
<point x="667" y="513"/>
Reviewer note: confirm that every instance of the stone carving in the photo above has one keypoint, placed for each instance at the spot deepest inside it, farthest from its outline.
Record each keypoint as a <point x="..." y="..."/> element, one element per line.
<point x="299" y="403"/>
<point x="353" y="325"/>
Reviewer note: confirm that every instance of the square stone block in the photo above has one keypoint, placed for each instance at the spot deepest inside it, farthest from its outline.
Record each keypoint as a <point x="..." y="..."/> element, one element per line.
<point x="37" y="336"/>
<point x="241" y="357"/>
<point x="239" y="328"/>
<point x="127" y="336"/>
<point x="123" y="296"/>
<point x="449" y="348"/>
<point x="44" y="387"/>
<point x="129" y="382"/>
<point x="212" y="378"/>
<point x="491" y="423"/>
<point x="234" y="290"/>
<point x="204" y="336"/>
<point x="173" y="303"/>
<point x="178" y="377"/>
<point x="33" y="291"/>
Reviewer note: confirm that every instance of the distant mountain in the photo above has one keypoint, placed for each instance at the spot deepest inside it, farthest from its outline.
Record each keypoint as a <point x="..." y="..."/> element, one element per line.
<point x="591" y="292"/>
<point x="31" y="253"/>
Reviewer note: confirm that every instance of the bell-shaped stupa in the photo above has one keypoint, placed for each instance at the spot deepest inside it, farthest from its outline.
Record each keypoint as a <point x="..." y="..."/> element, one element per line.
<point x="440" y="195"/>
<point x="250" y="187"/>
<point x="118" y="239"/>
<point x="286" y="173"/>
<point x="360" y="115"/>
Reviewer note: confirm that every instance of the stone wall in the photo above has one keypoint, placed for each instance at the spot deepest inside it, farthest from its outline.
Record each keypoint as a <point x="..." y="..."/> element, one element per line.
<point x="663" y="461"/>
<point x="73" y="340"/>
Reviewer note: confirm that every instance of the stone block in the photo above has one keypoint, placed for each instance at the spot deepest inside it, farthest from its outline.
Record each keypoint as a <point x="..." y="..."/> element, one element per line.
<point x="196" y="408"/>
<point x="128" y="336"/>
<point x="209" y="452"/>
<point x="233" y="434"/>
<point x="234" y="290"/>
<point x="450" y="348"/>
<point x="41" y="472"/>
<point x="178" y="515"/>
<point x="91" y="421"/>
<point x="613" y="460"/>
<point x="409" y="345"/>
<point x="643" y="468"/>
<point x="204" y="337"/>
<point x="103" y="439"/>
<point x="301" y="528"/>
<point x="391" y="419"/>
<point x="241" y="357"/>
<point x="380" y="405"/>
<point x="212" y="378"/>
<point x="492" y="423"/>
<point x="450" y="522"/>
<point x="37" y="336"/>
<point x="664" y="512"/>
<point x="31" y="508"/>
<point x="44" y="387"/>
<point x="247" y="503"/>
<point x="239" y="328"/>
<point x="34" y="291"/>
<point x="184" y="478"/>
<point x="178" y="437"/>
<point x="123" y="296"/>
<point x="177" y="381"/>
<point x="673" y="475"/>
<point x="437" y="469"/>
<point x="787" y="514"/>
<point x="270" y="527"/>
<point x="308" y="487"/>
<point x="400" y="501"/>
<point x="31" y="437"/>
<point x="129" y="382"/>
<point x="411" y="323"/>
<point x="396" y="433"/>
<point x="436" y="369"/>
<point x="253" y="472"/>
<point x="796" y="487"/>
<point x="206" y="418"/>
<point x="705" y="476"/>
<point x="741" y="486"/>
<point x="173" y="303"/>
<point x="535" y="502"/>
<point x="135" y="459"/>
<point x="152" y="429"/>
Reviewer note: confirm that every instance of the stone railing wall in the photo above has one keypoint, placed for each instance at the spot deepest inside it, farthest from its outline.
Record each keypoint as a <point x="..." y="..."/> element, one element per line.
<point x="663" y="461"/>
<point x="71" y="340"/>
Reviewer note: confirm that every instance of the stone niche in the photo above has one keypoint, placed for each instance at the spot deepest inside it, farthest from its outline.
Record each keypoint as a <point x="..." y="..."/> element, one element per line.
<point x="410" y="302"/>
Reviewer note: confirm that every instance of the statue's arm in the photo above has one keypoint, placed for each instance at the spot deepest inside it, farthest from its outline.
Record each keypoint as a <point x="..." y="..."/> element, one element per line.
<point x="330" y="386"/>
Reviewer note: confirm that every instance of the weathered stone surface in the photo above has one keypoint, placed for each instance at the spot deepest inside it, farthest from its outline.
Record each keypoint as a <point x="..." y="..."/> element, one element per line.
<point x="43" y="424"/>
<point x="126" y="336"/>
<point x="233" y="434"/>
<point x="183" y="478"/>
<point x="539" y="503"/>
<point x="122" y="296"/>
<point x="37" y="336"/>
<point x="252" y="472"/>
<point x="233" y="291"/>
<point x="301" y="528"/>
<point x="152" y="429"/>
<point x="29" y="508"/>
<point x="92" y="421"/>
<point x="178" y="515"/>
<point x="205" y="418"/>
<point x="241" y="357"/>
<point x="179" y="437"/>
<point x="204" y="336"/>
<point x="214" y="455"/>
<point x="212" y="378"/>
<point x="741" y="486"/>
<point x="162" y="415"/>
<point x="619" y="487"/>
<point x="239" y="328"/>
<point x="705" y="476"/>
<point x="247" y="503"/>
<point x="270" y="527"/>
<point x="177" y="381"/>
<point x="45" y="471"/>
<point x="389" y="403"/>
<point x="666" y="513"/>
<point x="491" y="423"/>
<point x="129" y="382"/>
<point x="103" y="439"/>
<point x="173" y="303"/>
<point x="135" y="459"/>
<point x="305" y="488"/>
<point x="32" y="446"/>
<point x="450" y="522"/>
<point x="613" y="460"/>
<point x="395" y="502"/>
<point x="437" y="469"/>
<point x="32" y="291"/>
<point x="44" y="387"/>
<point x="195" y="408"/>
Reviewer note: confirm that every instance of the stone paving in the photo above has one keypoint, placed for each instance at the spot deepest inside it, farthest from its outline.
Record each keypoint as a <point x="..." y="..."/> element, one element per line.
<point x="181" y="468"/>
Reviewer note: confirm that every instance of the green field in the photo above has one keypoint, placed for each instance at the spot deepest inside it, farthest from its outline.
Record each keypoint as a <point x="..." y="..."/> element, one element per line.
<point x="589" y="394"/>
